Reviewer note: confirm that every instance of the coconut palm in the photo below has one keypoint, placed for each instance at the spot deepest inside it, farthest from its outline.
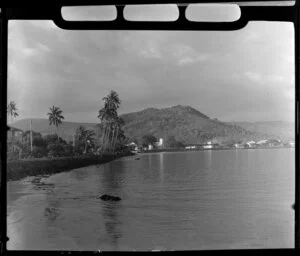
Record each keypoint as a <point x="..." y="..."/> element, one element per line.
<point x="55" y="117"/>
<point x="12" y="110"/>
<point x="85" y="138"/>
<point x="112" y="100"/>
<point x="109" y="119"/>
<point x="117" y="131"/>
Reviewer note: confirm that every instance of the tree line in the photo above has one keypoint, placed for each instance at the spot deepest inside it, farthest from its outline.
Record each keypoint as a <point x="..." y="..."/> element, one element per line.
<point x="110" y="137"/>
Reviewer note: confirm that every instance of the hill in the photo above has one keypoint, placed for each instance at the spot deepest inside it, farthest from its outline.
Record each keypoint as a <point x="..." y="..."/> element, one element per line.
<point x="66" y="129"/>
<point x="185" y="123"/>
<point x="278" y="129"/>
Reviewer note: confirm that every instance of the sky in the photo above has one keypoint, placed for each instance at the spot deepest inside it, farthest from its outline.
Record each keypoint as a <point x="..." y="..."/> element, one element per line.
<point x="244" y="75"/>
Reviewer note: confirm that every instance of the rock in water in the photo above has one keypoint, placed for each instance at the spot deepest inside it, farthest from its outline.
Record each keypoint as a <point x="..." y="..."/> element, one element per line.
<point x="109" y="198"/>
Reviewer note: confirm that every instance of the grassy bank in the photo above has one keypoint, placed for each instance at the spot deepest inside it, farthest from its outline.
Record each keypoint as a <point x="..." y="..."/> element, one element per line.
<point x="19" y="169"/>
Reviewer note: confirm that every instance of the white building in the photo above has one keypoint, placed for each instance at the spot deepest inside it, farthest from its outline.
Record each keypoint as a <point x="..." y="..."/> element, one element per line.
<point x="160" y="143"/>
<point x="251" y="144"/>
<point x="208" y="145"/>
<point x="150" y="147"/>
<point x="238" y="145"/>
<point x="133" y="146"/>
<point x="261" y="142"/>
<point x="190" y="147"/>
<point x="292" y="144"/>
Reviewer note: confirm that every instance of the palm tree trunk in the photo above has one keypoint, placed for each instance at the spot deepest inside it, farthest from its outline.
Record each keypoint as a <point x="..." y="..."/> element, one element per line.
<point x="85" y="147"/>
<point x="116" y="137"/>
<point x="57" y="134"/>
<point x="12" y="134"/>
<point x="104" y="137"/>
<point x="113" y="139"/>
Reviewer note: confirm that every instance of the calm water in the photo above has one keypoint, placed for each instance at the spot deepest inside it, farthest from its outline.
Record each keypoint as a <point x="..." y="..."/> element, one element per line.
<point x="180" y="201"/>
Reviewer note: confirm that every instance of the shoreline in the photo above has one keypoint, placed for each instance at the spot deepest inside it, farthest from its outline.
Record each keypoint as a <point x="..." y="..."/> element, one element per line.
<point x="19" y="169"/>
<point x="208" y="149"/>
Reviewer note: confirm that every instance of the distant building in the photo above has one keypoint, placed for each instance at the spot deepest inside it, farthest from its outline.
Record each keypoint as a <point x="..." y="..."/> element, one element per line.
<point x="150" y="147"/>
<point x="190" y="147"/>
<point x="273" y="142"/>
<point x="13" y="131"/>
<point x="237" y="145"/>
<point x="292" y="144"/>
<point x="250" y="144"/>
<point x="133" y="146"/>
<point x="269" y="143"/>
<point x="262" y="142"/>
<point x="208" y="145"/>
<point x="160" y="143"/>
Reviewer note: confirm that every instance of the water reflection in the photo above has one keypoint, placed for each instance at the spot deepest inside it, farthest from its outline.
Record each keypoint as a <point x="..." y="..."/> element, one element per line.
<point x="113" y="177"/>
<point x="113" y="181"/>
<point x="161" y="167"/>
<point x="112" y="222"/>
<point x="79" y="174"/>
<point x="207" y="159"/>
<point x="175" y="204"/>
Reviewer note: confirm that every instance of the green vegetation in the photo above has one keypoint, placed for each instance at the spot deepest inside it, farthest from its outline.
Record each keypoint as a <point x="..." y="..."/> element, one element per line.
<point x="171" y="142"/>
<point x="84" y="140"/>
<point x="148" y="139"/>
<point x="12" y="110"/>
<point x="110" y="138"/>
<point x="111" y="124"/>
<point x="186" y="125"/>
<point x="55" y="117"/>
<point x="177" y="126"/>
<point x="39" y="154"/>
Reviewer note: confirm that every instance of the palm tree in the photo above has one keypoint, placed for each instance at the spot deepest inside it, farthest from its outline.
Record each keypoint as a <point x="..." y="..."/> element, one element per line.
<point x="12" y="110"/>
<point x="55" y="117"/>
<point x="85" y="137"/>
<point x="109" y="119"/>
<point x="117" y="130"/>
<point x="112" y="100"/>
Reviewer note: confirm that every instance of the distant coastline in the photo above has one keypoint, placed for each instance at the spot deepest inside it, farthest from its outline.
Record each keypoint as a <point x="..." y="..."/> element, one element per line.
<point x="203" y="149"/>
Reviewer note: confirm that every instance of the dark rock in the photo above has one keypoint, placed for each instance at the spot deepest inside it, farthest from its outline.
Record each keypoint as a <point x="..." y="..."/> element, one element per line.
<point x="137" y="158"/>
<point x="109" y="198"/>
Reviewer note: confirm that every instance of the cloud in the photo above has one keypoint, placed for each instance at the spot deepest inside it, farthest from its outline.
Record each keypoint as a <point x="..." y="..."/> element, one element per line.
<point x="185" y="54"/>
<point x="29" y="52"/>
<point x="254" y="77"/>
<point x="43" y="47"/>
<point x="266" y="79"/>
<point x="75" y="69"/>
<point x="185" y="60"/>
<point x="275" y="78"/>
<point x="151" y="50"/>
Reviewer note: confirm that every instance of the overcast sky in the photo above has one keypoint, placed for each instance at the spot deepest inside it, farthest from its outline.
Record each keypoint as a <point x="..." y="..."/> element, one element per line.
<point x="245" y="75"/>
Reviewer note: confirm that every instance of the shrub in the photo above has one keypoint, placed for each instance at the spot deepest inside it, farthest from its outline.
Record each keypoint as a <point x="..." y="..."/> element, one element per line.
<point x="55" y="150"/>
